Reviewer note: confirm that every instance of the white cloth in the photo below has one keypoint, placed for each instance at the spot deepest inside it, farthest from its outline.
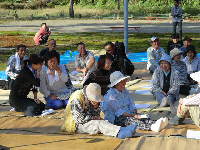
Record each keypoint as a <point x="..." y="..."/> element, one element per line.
<point x="52" y="78"/>
<point x="17" y="62"/>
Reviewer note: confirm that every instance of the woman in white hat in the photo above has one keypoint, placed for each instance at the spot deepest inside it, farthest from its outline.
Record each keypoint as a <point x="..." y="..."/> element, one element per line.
<point x="119" y="107"/>
<point x="82" y="115"/>
<point x="165" y="83"/>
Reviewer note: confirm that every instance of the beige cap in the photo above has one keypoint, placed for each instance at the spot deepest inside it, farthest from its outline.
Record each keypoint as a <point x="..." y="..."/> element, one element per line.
<point x="93" y="92"/>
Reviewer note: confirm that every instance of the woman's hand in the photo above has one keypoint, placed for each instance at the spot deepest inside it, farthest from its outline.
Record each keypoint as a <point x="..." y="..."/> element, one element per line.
<point x="53" y="97"/>
<point x="53" y="66"/>
<point x="37" y="101"/>
<point x="97" y="118"/>
<point x="136" y="116"/>
<point x="163" y="93"/>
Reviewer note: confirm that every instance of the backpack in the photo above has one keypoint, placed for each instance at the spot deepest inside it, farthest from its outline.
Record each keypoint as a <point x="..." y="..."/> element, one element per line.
<point x="127" y="68"/>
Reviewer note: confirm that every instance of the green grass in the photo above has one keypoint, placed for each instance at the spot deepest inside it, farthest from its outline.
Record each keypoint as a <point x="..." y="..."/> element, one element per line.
<point x="138" y="42"/>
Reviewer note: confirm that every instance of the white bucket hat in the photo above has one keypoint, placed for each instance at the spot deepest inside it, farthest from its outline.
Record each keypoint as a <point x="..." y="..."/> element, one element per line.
<point x="93" y="92"/>
<point x="116" y="77"/>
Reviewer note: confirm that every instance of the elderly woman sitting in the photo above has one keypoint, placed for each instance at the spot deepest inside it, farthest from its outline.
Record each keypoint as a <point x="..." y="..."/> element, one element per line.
<point x="165" y="83"/>
<point x="192" y="61"/>
<point x="52" y="82"/>
<point x="182" y="68"/>
<point x="119" y="107"/>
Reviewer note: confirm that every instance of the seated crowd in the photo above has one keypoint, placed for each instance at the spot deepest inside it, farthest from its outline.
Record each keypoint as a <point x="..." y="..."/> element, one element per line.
<point x="104" y="88"/>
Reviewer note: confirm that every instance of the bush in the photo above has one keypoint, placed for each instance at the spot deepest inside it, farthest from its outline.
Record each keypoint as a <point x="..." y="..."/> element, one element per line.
<point x="6" y="5"/>
<point x="36" y="5"/>
<point x="19" y="5"/>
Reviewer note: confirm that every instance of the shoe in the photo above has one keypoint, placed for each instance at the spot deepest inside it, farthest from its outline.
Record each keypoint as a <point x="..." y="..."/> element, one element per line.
<point x="157" y="125"/>
<point x="124" y="133"/>
<point x="174" y="121"/>
<point x="164" y="102"/>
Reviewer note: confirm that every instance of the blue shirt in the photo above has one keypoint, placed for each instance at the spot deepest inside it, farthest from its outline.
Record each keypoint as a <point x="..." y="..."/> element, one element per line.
<point x="116" y="103"/>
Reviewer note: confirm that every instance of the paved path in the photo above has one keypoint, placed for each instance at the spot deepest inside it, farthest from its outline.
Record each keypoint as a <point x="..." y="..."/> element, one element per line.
<point x="71" y="26"/>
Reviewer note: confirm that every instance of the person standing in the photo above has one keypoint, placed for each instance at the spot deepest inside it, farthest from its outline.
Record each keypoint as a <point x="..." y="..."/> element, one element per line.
<point x="176" y="13"/>
<point x="42" y="35"/>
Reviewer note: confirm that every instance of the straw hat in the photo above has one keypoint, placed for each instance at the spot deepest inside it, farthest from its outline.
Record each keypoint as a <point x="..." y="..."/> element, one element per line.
<point x="116" y="77"/>
<point x="93" y="92"/>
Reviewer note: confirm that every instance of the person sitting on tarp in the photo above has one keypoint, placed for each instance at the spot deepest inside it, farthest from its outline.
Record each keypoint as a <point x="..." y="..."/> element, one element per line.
<point x="52" y="82"/>
<point x="27" y="80"/>
<point x="179" y="65"/>
<point x="42" y="35"/>
<point x="51" y="47"/>
<point x="174" y="43"/>
<point x="154" y="53"/>
<point x="101" y="75"/>
<point x="82" y="115"/>
<point x="188" y="106"/>
<point x="14" y="64"/>
<point x="192" y="62"/>
<point x="84" y="61"/>
<point x="119" y="107"/>
<point x="120" y="61"/>
<point x="165" y="83"/>
<point x="186" y="41"/>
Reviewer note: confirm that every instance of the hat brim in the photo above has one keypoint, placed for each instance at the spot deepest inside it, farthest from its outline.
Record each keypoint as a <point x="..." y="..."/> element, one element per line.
<point x="120" y="79"/>
<point x="99" y="98"/>
<point x="178" y="54"/>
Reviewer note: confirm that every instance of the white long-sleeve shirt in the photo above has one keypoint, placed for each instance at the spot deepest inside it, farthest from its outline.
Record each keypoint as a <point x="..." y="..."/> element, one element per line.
<point x="58" y="87"/>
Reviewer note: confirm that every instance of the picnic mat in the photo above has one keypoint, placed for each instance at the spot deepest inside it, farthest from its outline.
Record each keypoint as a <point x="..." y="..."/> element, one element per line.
<point x="35" y="142"/>
<point x="48" y="127"/>
<point x="159" y="143"/>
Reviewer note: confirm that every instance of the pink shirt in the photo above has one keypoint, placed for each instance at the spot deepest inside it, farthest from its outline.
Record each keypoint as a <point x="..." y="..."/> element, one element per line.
<point x="39" y="34"/>
<point x="192" y="101"/>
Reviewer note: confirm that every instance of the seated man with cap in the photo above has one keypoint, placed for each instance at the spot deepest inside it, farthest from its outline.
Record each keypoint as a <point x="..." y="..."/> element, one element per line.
<point x="82" y="115"/>
<point x="154" y="53"/>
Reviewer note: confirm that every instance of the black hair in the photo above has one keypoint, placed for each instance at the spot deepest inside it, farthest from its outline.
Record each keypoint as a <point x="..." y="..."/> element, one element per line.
<point x="81" y="43"/>
<point x="192" y="48"/>
<point x="43" y="23"/>
<point x="49" y="55"/>
<point x="175" y="36"/>
<point x="101" y="61"/>
<point x="33" y="59"/>
<point x="176" y="1"/>
<point x="20" y="45"/>
<point x="51" y="40"/>
<point x="109" y="43"/>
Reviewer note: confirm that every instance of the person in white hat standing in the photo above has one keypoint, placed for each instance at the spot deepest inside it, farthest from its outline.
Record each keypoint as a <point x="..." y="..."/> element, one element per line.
<point x="154" y="53"/>
<point x="119" y="107"/>
<point x="166" y="83"/>
<point x="82" y="115"/>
